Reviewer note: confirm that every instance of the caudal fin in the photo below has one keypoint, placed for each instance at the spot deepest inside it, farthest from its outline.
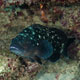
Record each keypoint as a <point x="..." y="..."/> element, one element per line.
<point x="70" y="41"/>
<point x="67" y="44"/>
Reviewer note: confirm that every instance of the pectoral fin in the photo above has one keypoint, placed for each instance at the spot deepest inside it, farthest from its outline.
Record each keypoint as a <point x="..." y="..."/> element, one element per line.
<point x="45" y="49"/>
<point x="37" y="59"/>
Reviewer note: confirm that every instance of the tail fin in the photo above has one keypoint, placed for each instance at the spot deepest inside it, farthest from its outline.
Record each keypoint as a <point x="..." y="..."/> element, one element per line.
<point x="70" y="41"/>
<point x="67" y="44"/>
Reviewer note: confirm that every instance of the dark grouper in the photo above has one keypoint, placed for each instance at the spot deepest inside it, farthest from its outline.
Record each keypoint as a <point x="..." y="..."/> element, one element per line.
<point x="38" y="42"/>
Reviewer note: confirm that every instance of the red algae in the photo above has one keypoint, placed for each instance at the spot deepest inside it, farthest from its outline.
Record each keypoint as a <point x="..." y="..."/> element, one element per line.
<point x="1" y="2"/>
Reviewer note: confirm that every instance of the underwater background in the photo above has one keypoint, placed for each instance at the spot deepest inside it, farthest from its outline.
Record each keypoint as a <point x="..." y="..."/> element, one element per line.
<point x="16" y="15"/>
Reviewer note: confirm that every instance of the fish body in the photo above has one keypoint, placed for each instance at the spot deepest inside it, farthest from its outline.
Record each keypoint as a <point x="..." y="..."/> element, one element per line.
<point x="38" y="42"/>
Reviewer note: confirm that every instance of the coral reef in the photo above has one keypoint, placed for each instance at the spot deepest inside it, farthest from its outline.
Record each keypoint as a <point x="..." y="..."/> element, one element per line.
<point x="29" y="2"/>
<point x="62" y="70"/>
<point x="14" y="17"/>
<point x="7" y="67"/>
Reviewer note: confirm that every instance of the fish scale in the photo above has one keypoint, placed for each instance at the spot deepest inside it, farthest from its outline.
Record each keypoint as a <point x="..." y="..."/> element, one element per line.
<point x="38" y="42"/>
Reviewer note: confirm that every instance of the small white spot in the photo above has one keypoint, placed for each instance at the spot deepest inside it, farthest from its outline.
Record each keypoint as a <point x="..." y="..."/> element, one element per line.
<point x="58" y="37"/>
<point x="30" y="27"/>
<point x="61" y="51"/>
<point x="62" y="47"/>
<point x="57" y="42"/>
<point x="39" y="36"/>
<point x="37" y="44"/>
<point x="52" y="37"/>
<point x="43" y="29"/>
<point x="27" y="34"/>
<point x="31" y="38"/>
<point x="53" y="31"/>
<point x="22" y="34"/>
<point x="55" y="34"/>
<point x="25" y="30"/>
<point x="33" y="33"/>
<point x="43" y="37"/>
<point x="62" y="44"/>
<point x="47" y="34"/>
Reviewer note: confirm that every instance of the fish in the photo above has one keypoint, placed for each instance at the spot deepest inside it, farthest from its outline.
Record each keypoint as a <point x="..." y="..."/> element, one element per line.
<point x="38" y="42"/>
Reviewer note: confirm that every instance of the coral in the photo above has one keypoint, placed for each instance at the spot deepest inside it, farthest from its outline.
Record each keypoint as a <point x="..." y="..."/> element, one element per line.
<point x="73" y="51"/>
<point x="30" y="68"/>
<point x="47" y="76"/>
<point x="7" y="67"/>
<point x="70" y="17"/>
<point x="54" y="76"/>
<point x="14" y="20"/>
<point x="29" y="2"/>
<point x="57" y="14"/>
<point x="59" y="71"/>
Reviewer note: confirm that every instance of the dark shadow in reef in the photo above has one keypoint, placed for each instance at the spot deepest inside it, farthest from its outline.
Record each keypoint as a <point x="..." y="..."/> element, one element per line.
<point x="74" y="48"/>
<point x="22" y="61"/>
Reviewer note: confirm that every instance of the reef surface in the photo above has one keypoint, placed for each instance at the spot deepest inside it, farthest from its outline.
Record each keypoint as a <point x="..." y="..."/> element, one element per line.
<point x="13" y="20"/>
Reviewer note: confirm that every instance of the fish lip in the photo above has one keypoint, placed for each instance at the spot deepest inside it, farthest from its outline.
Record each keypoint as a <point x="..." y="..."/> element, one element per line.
<point x="13" y="48"/>
<point x="16" y="51"/>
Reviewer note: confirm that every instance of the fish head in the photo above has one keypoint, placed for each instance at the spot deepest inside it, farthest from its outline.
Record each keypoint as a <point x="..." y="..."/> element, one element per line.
<point x="16" y="48"/>
<point x="22" y="48"/>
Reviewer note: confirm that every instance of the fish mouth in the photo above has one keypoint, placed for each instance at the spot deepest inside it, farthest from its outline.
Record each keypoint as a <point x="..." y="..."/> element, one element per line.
<point x="12" y="48"/>
<point x="15" y="50"/>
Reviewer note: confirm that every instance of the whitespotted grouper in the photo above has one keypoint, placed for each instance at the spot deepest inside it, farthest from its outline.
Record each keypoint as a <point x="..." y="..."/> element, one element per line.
<point x="38" y="42"/>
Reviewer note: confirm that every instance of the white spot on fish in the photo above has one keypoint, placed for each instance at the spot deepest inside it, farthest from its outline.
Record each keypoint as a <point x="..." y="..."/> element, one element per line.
<point x="21" y="34"/>
<point x="37" y="44"/>
<point x="53" y="31"/>
<point x="58" y="37"/>
<point x="31" y="38"/>
<point x="47" y="34"/>
<point x="25" y="30"/>
<point x="33" y="33"/>
<point x="39" y="36"/>
<point x="55" y="34"/>
<point x="43" y="37"/>
<point x="24" y="35"/>
<point x="62" y="47"/>
<point x="30" y="27"/>
<point x="52" y="37"/>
